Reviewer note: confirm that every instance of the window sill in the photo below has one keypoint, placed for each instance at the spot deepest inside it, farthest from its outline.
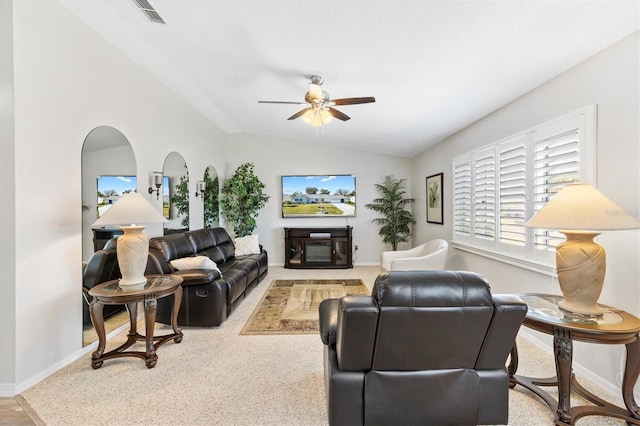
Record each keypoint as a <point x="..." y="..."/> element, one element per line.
<point x="539" y="267"/>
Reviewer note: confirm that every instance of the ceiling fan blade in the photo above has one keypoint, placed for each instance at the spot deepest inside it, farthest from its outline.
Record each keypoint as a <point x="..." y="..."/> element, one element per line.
<point x="298" y="114"/>
<point x="337" y="114"/>
<point x="353" y="101"/>
<point x="282" y="102"/>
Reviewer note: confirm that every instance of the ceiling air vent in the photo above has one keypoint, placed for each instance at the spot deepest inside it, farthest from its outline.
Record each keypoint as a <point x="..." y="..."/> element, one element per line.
<point x="149" y="11"/>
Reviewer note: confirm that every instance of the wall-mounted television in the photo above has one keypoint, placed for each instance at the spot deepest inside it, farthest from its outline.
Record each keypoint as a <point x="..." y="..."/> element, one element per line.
<point x="111" y="188"/>
<point x="166" y="198"/>
<point x="318" y="196"/>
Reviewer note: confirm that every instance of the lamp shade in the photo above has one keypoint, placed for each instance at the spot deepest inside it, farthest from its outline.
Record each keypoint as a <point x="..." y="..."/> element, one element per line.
<point x="582" y="207"/>
<point x="131" y="208"/>
<point x="130" y="211"/>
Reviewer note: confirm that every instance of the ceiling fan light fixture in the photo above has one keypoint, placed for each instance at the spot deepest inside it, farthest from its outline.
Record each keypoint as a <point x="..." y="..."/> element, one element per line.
<point x="317" y="117"/>
<point x="315" y="92"/>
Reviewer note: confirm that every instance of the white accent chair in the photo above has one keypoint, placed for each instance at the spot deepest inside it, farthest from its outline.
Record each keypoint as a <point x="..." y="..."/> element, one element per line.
<point x="431" y="255"/>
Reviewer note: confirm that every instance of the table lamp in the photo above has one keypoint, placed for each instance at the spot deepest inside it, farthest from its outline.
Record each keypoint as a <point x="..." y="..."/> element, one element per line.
<point x="133" y="245"/>
<point x="578" y="210"/>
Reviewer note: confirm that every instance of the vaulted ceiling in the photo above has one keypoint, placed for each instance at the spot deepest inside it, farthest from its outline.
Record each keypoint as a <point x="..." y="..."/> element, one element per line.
<point x="434" y="67"/>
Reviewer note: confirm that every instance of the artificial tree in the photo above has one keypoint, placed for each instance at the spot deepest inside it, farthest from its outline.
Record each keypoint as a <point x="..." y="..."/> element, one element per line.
<point x="395" y="226"/>
<point x="211" y="200"/>
<point x="180" y="198"/>
<point x="241" y="199"/>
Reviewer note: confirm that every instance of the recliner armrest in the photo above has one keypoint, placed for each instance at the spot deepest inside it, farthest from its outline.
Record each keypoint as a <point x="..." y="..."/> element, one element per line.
<point x="509" y="312"/>
<point x="197" y="276"/>
<point x="328" y="312"/>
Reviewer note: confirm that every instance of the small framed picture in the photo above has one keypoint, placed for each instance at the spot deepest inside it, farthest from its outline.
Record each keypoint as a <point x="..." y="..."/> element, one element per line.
<point x="434" y="199"/>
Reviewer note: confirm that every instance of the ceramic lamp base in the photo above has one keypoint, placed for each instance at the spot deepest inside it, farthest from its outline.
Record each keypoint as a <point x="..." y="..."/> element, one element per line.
<point x="581" y="265"/>
<point x="132" y="250"/>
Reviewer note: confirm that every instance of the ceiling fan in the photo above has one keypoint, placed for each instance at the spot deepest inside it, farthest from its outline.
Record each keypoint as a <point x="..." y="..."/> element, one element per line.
<point x="320" y="107"/>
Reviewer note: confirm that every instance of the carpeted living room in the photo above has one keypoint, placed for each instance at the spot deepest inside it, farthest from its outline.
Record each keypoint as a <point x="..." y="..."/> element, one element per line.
<point x="223" y="376"/>
<point x="484" y="109"/>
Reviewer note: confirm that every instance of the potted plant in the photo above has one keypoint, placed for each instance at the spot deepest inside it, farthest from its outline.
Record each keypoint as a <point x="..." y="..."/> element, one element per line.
<point x="180" y="198"/>
<point x="241" y="199"/>
<point x="395" y="226"/>
<point x="211" y="200"/>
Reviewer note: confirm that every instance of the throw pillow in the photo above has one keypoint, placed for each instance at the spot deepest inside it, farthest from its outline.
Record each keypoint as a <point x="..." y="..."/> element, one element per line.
<point x="194" y="262"/>
<point x="247" y="245"/>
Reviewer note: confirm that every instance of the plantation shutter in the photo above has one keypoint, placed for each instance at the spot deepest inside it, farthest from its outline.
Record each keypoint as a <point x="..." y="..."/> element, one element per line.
<point x="484" y="194"/>
<point x="512" y="198"/>
<point x="462" y="197"/>
<point x="498" y="187"/>
<point x="555" y="163"/>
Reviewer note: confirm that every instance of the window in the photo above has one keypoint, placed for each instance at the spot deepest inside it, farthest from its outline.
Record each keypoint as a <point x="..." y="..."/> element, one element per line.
<point x="499" y="186"/>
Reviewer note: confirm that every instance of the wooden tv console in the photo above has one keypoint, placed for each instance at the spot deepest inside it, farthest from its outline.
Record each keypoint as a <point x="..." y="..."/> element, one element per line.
<point x="315" y="248"/>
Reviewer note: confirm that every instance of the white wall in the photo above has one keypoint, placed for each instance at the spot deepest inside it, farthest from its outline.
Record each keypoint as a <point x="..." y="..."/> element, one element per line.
<point x="274" y="158"/>
<point x="610" y="80"/>
<point x="7" y="194"/>
<point x="68" y="81"/>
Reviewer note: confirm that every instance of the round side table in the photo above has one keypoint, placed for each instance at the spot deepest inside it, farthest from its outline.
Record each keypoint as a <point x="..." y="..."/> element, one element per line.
<point x="613" y="327"/>
<point x="110" y="293"/>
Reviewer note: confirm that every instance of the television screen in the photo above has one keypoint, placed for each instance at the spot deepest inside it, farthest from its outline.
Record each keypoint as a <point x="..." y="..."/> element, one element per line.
<point x="166" y="198"/>
<point x="318" y="196"/>
<point x="111" y="188"/>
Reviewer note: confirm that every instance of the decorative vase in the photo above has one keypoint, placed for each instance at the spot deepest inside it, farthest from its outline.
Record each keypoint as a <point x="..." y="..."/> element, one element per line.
<point x="581" y="265"/>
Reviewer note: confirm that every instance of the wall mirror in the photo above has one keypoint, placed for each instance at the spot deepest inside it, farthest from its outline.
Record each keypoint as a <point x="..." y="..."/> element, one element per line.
<point x="176" y="173"/>
<point x="211" y="198"/>
<point x="108" y="167"/>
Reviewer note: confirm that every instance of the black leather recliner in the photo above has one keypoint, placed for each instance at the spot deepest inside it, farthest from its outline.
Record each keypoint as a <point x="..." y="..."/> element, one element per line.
<point x="101" y="267"/>
<point x="427" y="348"/>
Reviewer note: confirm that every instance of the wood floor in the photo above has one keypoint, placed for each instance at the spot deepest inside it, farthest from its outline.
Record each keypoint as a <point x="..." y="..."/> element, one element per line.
<point x="16" y="412"/>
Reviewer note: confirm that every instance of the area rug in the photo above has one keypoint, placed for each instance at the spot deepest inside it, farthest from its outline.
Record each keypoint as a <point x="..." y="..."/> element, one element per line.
<point x="291" y="306"/>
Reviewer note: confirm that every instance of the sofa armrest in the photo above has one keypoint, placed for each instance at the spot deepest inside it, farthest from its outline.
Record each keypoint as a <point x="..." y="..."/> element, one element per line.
<point x="328" y="312"/>
<point x="389" y="256"/>
<point x="423" y="263"/>
<point x="197" y="276"/>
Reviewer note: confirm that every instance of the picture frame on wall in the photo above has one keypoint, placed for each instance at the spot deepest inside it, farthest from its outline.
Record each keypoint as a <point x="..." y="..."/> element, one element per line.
<point x="434" y="199"/>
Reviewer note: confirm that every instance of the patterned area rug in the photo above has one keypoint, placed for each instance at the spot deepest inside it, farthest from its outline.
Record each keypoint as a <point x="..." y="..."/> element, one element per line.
<point x="291" y="306"/>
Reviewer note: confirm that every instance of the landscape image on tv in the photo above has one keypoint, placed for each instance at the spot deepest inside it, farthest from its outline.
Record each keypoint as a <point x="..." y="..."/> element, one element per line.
<point x="318" y="196"/>
<point x="111" y="188"/>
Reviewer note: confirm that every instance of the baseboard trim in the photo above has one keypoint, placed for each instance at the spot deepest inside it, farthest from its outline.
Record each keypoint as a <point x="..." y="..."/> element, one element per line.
<point x="23" y="386"/>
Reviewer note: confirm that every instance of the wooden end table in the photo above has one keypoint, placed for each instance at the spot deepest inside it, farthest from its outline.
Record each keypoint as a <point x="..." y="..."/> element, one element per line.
<point x="612" y="328"/>
<point x="110" y="293"/>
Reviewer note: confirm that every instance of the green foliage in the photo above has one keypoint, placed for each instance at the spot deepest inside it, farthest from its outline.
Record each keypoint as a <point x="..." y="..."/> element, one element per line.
<point x="395" y="226"/>
<point x="180" y="198"/>
<point x="241" y="199"/>
<point x="211" y="200"/>
<point x="434" y="195"/>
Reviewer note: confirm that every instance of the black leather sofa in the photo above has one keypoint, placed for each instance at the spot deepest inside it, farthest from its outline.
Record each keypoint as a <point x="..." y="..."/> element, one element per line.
<point x="208" y="298"/>
<point x="427" y="347"/>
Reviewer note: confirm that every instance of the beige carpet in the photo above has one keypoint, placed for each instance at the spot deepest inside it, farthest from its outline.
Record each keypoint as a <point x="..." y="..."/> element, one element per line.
<point x="291" y="306"/>
<point x="216" y="377"/>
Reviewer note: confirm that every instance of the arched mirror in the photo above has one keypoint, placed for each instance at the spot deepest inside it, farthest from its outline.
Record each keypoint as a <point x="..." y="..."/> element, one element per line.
<point x="177" y="192"/>
<point x="211" y="198"/>
<point x="108" y="172"/>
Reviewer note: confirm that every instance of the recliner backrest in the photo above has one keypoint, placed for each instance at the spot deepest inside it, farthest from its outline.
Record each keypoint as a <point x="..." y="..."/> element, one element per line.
<point x="101" y="267"/>
<point x="427" y="320"/>
<point x="430" y="319"/>
<point x="223" y="248"/>
<point x="174" y="246"/>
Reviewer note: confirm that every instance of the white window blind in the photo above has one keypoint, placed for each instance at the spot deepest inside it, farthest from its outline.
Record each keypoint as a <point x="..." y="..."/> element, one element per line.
<point x="512" y="198"/>
<point x="484" y="194"/>
<point x="462" y="197"/>
<point x="499" y="186"/>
